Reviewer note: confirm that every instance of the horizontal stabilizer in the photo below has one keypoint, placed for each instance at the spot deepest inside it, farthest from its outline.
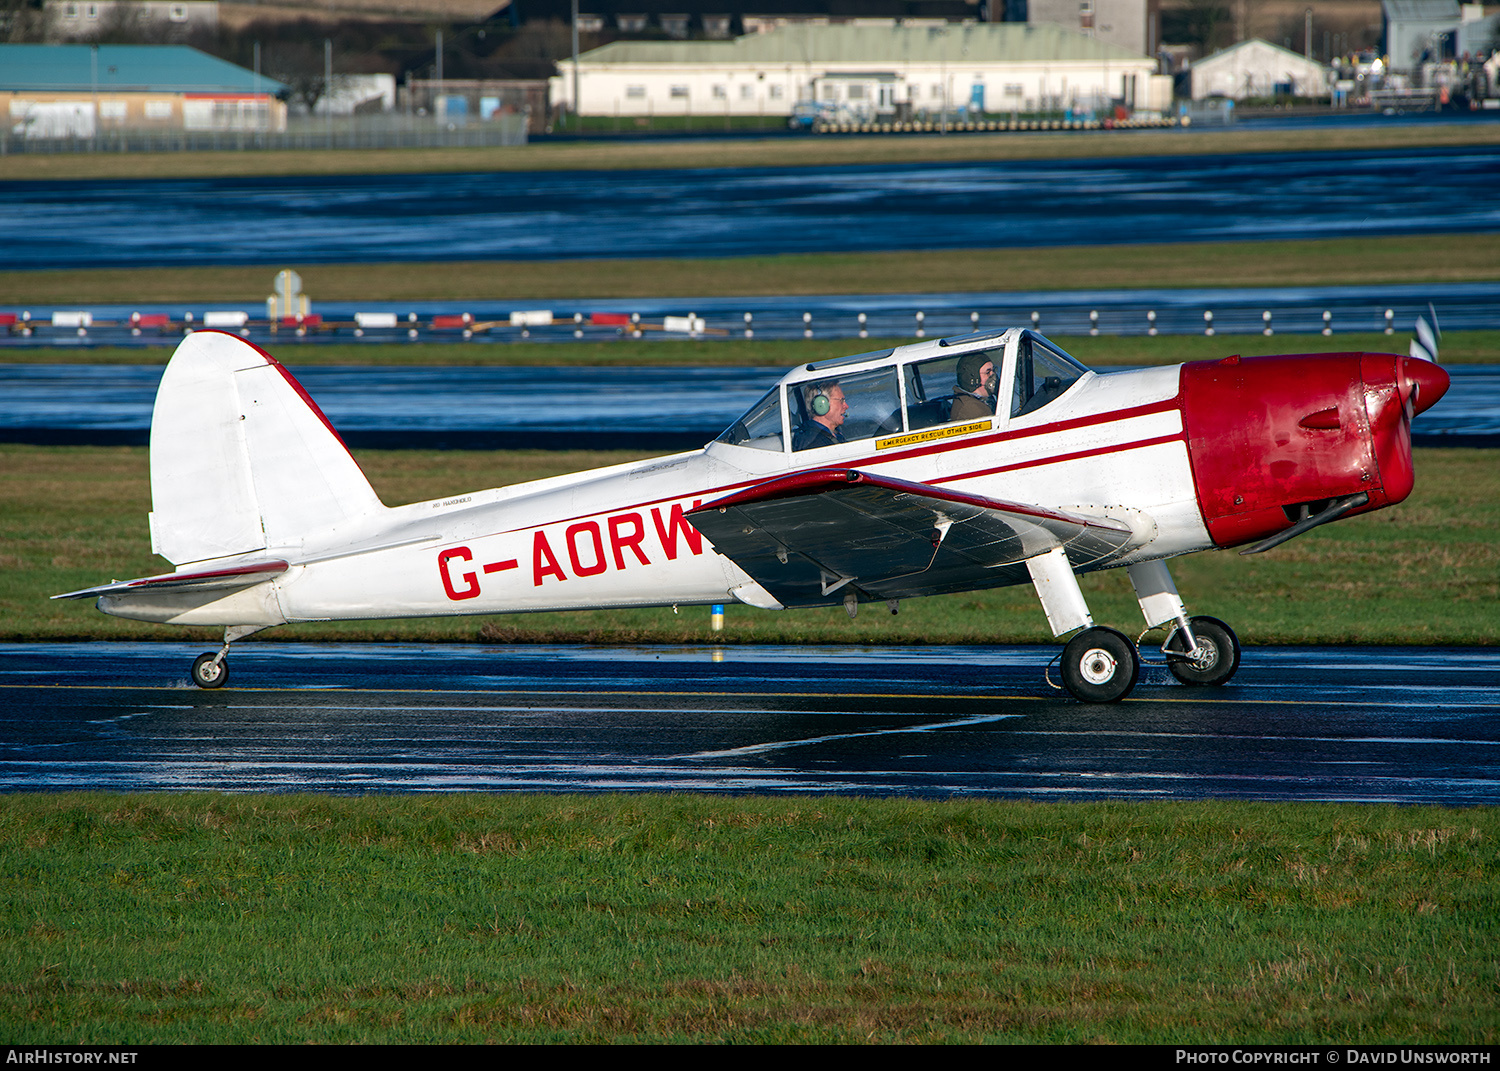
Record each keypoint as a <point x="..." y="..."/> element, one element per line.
<point x="806" y="537"/>
<point x="227" y="579"/>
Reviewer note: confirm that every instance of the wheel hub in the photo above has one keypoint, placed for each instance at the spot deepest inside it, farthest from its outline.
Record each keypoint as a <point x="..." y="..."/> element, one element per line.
<point x="1097" y="665"/>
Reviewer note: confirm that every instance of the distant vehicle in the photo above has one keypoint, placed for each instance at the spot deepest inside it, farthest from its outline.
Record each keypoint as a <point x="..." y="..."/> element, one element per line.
<point x="950" y="465"/>
<point x="807" y="114"/>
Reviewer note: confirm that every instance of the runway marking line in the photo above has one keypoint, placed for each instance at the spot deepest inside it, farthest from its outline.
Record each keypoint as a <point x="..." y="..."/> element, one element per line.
<point x="782" y="745"/>
<point x="725" y="695"/>
<point x="507" y="691"/>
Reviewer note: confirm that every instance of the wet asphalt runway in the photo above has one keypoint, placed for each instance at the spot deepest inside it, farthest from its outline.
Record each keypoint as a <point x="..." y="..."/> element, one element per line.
<point x="1410" y="725"/>
<point x="748" y="211"/>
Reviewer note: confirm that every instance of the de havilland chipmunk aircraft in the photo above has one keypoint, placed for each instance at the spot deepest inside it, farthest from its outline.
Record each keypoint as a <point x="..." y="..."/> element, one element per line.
<point x="943" y="466"/>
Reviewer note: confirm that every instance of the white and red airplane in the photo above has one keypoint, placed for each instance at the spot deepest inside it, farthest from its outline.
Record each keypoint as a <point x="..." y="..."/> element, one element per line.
<point x="949" y="465"/>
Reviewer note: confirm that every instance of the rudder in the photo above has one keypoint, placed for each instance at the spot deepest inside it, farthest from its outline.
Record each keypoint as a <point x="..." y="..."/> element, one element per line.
<point x="242" y="460"/>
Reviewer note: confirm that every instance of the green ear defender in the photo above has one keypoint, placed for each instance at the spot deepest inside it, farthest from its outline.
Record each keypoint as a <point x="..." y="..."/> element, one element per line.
<point x="821" y="405"/>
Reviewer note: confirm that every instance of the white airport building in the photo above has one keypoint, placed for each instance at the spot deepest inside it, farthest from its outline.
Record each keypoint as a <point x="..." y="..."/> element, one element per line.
<point x="864" y="72"/>
<point x="1257" y="68"/>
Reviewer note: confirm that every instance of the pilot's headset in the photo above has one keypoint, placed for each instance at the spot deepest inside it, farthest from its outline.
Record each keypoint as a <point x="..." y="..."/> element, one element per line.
<point x="968" y="370"/>
<point x="818" y="400"/>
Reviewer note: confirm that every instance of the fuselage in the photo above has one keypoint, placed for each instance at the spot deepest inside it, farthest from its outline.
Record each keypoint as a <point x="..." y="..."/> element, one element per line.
<point x="1143" y="448"/>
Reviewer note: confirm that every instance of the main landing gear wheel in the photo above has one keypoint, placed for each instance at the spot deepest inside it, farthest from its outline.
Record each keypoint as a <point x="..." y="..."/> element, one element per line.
<point x="1099" y="665"/>
<point x="1218" y="654"/>
<point x="209" y="674"/>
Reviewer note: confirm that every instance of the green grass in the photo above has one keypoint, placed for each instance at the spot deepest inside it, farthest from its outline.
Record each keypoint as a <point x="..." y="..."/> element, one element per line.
<point x="262" y="919"/>
<point x="1426" y="571"/>
<point x="1435" y="259"/>
<point x="816" y="150"/>
<point x="280" y="919"/>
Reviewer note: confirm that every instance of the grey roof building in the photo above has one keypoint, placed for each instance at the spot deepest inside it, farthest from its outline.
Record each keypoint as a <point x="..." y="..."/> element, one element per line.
<point x="956" y="44"/>
<point x="865" y="70"/>
<point x="1417" y="28"/>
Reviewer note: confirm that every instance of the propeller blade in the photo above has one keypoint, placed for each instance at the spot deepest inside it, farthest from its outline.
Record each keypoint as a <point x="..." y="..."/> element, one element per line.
<point x="1425" y="345"/>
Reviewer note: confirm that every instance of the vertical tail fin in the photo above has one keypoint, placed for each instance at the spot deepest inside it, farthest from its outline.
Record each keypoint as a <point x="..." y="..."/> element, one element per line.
<point x="242" y="460"/>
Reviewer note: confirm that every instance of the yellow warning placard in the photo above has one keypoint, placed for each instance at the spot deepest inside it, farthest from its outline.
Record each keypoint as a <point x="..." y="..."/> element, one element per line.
<point x="932" y="435"/>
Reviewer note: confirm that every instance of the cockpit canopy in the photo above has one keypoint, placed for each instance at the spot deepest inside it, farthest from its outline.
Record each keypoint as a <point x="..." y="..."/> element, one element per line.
<point x="955" y="381"/>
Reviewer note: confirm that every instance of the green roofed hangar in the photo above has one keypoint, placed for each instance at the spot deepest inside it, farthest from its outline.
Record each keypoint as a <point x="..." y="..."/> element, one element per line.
<point x="866" y="73"/>
<point x="59" y="91"/>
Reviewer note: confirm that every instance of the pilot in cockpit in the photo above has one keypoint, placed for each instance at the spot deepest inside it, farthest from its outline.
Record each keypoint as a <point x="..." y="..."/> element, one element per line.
<point x="826" y="408"/>
<point x="974" y="396"/>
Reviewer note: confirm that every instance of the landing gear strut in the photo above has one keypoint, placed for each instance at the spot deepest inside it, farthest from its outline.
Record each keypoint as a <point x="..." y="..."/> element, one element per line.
<point x="1100" y="665"/>
<point x="212" y="670"/>
<point x="1217" y="657"/>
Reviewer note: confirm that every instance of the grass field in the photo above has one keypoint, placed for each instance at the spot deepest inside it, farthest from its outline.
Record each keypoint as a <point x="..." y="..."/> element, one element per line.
<point x="279" y="919"/>
<point x="260" y="919"/>
<point x="743" y="152"/>
<point x="1427" y="571"/>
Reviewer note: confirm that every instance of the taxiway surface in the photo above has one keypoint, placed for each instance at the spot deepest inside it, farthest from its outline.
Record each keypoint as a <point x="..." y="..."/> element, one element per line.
<point x="1409" y="725"/>
<point x="749" y="211"/>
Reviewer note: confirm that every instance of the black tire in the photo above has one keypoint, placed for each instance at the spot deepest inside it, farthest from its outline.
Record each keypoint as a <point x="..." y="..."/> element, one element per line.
<point x="208" y="675"/>
<point x="1099" y="665"/>
<point x="1218" y="658"/>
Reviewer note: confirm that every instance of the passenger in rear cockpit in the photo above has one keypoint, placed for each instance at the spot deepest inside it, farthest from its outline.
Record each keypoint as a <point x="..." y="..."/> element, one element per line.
<point x="974" y="396"/>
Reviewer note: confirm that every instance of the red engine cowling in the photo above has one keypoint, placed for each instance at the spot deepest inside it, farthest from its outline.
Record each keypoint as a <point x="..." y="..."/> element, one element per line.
<point x="1275" y="438"/>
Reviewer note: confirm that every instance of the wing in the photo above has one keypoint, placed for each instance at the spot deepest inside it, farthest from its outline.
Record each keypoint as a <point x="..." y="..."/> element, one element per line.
<point x="806" y="536"/>
<point x="227" y="579"/>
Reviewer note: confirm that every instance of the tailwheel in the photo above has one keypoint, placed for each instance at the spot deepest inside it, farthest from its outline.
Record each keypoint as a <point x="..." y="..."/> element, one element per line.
<point x="1218" y="654"/>
<point x="1099" y="665"/>
<point x="210" y="670"/>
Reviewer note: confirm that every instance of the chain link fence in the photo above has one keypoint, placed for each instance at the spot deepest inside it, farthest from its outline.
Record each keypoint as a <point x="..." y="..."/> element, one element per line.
<point x="502" y="127"/>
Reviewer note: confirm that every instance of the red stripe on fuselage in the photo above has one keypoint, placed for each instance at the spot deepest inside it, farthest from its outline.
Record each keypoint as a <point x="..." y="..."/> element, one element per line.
<point x="1165" y="406"/>
<point x="1057" y="459"/>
